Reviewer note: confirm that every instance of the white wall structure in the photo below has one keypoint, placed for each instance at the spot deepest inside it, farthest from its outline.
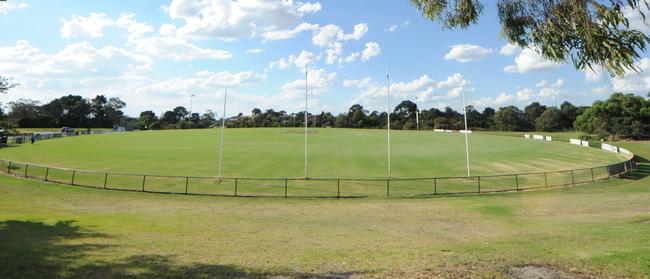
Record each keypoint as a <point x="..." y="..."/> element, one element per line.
<point x="609" y="148"/>
<point x="584" y="143"/>
<point x="549" y="138"/>
<point x="575" y="141"/>
<point x="538" y="137"/>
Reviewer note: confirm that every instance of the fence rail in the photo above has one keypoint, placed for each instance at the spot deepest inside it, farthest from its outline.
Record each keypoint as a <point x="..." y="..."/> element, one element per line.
<point x="314" y="187"/>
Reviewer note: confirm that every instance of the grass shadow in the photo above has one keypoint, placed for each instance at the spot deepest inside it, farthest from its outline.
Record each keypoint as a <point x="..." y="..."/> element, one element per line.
<point x="157" y="266"/>
<point x="642" y="169"/>
<point x="39" y="250"/>
<point x="35" y="249"/>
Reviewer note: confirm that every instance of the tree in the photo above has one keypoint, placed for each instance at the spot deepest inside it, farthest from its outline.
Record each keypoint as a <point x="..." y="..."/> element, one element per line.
<point x="533" y="111"/>
<point x="146" y="119"/>
<point x="549" y="120"/>
<point x="488" y="114"/>
<point x="622" y="115"/>
<point x="357" y="116"/>
<point x="27" y="114"/>
<point x="569" y="113"/>
<point x="588" y="32"/>
<point x="510" y="118"/>
<point x="68" y="111"/>
<point x="6" y="84"/>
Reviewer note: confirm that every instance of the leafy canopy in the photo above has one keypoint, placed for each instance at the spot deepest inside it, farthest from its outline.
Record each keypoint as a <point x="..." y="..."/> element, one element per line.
<point x="589" y="32"/>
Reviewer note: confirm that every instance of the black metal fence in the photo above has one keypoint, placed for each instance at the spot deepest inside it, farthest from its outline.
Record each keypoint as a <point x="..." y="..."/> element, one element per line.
<point x="314" y="187"/>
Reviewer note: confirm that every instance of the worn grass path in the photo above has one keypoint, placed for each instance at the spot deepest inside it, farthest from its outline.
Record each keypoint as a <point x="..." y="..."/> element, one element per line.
<point x="55" y="231"/>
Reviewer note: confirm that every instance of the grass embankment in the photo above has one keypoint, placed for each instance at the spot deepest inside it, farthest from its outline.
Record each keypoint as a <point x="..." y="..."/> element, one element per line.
<point x="50" y="231"/>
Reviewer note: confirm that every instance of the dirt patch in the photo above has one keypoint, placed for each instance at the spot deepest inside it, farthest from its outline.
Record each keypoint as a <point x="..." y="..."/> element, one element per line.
<point x="645" y="222"/>
<point x="538" y="272"/>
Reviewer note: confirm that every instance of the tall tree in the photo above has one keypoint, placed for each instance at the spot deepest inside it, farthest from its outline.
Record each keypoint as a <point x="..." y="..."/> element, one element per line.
<point x="533" y="111"/>
<point x="588" y="32"/>
<point x="622" y="115"/>
<point x="510" y="118"/>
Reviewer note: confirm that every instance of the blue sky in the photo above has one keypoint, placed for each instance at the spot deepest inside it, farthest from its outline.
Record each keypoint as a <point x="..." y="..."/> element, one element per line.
<point x="156" y="54"/>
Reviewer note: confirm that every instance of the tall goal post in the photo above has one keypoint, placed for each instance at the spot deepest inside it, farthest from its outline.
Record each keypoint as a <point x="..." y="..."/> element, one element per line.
<point x="469" y="173"/>
<point x="388" y="117"/>
<point x="223" y="126"/>
<point x="306" y="116"/>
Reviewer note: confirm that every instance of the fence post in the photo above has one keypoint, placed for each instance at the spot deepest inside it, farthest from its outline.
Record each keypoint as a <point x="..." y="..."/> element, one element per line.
<point x="338" y="188"/>
<point x="187" y="182"/>
<point x="546" y="179"/>
<point x="479" y="184"/>
<point x="9" y="168"/>
<point x="286" y="182"/>
<point x="72" y="180"/>
<point x="236" y="181"/>
<point x="517" y="181"/>
<point x="592" y="175"/>
<point x="573" y="180"/>
<point x="388" y="187"/>
<point x="47" y="172"/>
<point x="144" y="178"/>
<point x="435" y="186"/>
<point x="105" y="180"/>
<point x="26" y="166"/>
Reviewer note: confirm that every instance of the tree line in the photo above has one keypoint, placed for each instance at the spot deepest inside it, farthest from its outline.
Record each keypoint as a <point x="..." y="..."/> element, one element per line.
<point x="66" y="111"/>
<point x="621" y="116"/>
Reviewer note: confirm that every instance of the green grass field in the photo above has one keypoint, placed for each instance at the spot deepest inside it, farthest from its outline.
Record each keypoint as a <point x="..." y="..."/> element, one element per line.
<point x="57" y="231"/>
<point x="278" y="153"/>
<point x="333" y="153"/>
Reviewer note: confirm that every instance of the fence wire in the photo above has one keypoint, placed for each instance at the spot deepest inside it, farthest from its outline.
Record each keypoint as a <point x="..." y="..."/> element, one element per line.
<point x="314" y="187"/>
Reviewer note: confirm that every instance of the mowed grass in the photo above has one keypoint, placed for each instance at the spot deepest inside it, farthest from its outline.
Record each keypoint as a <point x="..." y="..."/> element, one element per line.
<point x="594" y="230"/>
<point x="333" y="153"/>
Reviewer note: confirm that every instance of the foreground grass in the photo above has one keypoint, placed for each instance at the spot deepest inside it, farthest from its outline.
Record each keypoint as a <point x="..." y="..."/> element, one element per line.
<point x="52" y="231"/>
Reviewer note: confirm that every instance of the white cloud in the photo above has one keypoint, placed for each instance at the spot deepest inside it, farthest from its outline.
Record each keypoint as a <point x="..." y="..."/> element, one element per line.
<point x="85" y="27"/>
<point x="467" y="53"/>
<point x="633" y="82"/>
<point x="500" y="100"/>
<point x="524" y="95"/>
<point x="391" y="28"/>
<point x="302" y="60"/>
<point x="8" y="6"/>
<point x="330" y="34"/>
<point x="319" y="83"/>
<point x="509" y="49"/>
<point x="274" y="35"/>
<point x="254" y="51"/>
<point x="636" y="20"/>
<point x="372" y="94"/>
<point x="530" y="61"/>
<point x="550" y="90"/>
<point x="177" y="49"/>
<point x="372" y="49"/>
<point x="134" y="28"/>
<point x="25" y="60"/>
<point x="233" y="19"/>
<point x="310" y="8"/>
<point x="455" y="80"/>
<point x="593" y="75"/>
<point x="351" y="58"/>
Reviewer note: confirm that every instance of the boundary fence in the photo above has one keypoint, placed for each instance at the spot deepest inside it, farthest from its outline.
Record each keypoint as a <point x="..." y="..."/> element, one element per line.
<point x="315" y="187"/>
